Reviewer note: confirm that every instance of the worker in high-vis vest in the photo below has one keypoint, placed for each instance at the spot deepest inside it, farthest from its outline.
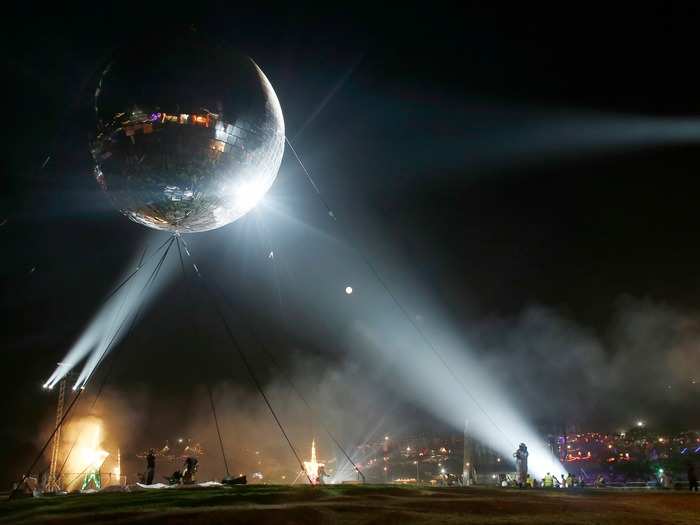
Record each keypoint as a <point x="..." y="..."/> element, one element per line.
<point x="548" y="481"/>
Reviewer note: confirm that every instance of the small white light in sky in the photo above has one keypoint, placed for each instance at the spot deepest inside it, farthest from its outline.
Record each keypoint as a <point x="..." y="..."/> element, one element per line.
<point x="348" y="290"/>
<point x="640" y="423"/>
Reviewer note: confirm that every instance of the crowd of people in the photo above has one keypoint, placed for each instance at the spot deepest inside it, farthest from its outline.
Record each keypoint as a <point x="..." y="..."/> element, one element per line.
<point x="548" y="481"/>
<point x="524" y="480"/>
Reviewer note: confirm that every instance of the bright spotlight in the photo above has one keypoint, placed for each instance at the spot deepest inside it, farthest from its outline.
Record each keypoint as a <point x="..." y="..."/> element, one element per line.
<point x="348" y="290"/>
<point x="640" y="423"/>
<point x="249" y="193"/>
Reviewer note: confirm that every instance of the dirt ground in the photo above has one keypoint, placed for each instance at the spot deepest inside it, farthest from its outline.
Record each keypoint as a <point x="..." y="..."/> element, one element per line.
<point x="261" y="504"/>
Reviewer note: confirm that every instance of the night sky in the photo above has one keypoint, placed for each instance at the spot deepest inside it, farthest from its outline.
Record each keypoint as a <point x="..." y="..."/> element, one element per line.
<point x="482" y="157"/>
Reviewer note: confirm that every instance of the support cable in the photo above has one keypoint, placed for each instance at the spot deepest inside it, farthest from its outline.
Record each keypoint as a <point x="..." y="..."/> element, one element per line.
<point x="246" y="363"/>
<point x="134" y="319"/>
<point x="198" y="335"/>
<point x="105" y="379"/>
<point x="269" y="355"/>
<point x="132" y="274"/>
<point x="43" y="449"/>
<point x="140" y="265"/>
<point x="395" y="299"/>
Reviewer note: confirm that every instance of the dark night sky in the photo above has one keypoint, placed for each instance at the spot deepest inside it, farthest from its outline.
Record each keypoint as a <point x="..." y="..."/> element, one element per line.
<point x="415" y="150"/>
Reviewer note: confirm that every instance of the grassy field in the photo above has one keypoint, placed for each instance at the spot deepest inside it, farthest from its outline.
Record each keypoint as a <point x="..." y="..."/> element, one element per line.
<point x="262" y="504"/>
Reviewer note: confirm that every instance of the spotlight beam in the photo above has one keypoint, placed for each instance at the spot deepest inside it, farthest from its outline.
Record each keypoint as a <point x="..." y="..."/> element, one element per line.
<point x="96" y="331"/>
<point x="547" y="461"/>
<point x="88" y="372"/>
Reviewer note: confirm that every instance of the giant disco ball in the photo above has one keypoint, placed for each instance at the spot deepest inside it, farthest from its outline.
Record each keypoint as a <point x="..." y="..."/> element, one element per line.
<point x="189" y="136"/>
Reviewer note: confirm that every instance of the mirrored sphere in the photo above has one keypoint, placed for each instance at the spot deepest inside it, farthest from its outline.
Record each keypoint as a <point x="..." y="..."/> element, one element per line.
<point x="189" y="136"/>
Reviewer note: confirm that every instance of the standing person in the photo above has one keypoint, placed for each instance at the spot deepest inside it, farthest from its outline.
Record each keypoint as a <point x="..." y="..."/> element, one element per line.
<point x="692" y="477"/>
<point x="520" y="456"/>
<point x="150" y="466"/>
<point x="189" y="470"/>
<point x="548" y="481"/>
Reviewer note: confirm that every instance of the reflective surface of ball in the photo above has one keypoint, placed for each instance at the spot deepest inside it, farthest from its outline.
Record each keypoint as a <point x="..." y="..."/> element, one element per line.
<point x="189" y="136"/>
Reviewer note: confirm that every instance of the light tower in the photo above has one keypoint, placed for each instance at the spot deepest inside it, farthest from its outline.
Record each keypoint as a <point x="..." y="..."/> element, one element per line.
<point x="52" y="484"/>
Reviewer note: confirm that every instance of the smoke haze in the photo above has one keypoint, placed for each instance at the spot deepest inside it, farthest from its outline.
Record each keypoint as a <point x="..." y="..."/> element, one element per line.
<point x="540" y="366"/>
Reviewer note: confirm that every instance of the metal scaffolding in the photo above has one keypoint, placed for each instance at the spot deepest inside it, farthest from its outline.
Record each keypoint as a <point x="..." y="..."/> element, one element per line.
<point x="52" y="484"/>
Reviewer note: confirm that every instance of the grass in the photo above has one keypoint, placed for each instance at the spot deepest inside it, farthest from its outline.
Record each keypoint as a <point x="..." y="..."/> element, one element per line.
<point x="261" y="504"/>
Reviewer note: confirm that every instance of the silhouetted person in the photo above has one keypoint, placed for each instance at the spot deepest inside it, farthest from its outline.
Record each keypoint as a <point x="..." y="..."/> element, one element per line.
<point x="189" y="471"/>
<point x="692" y="478"/>
<point x="150" y="467"/>
<point x="520" y="456"/>
<point x="667" y="480"/>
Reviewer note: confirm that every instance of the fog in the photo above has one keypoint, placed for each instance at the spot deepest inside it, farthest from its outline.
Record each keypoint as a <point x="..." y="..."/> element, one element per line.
<point x="644" y="367"/>
<point x="533" y="373"/>
<point x="360" y="361"/>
